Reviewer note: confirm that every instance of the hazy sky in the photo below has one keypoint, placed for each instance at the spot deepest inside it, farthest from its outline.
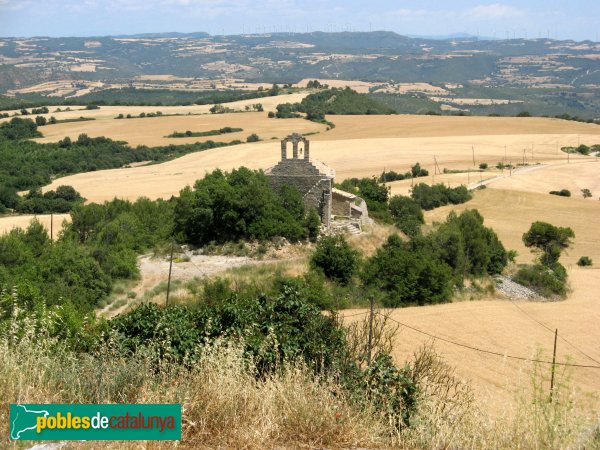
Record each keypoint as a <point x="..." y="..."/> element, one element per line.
<point x="574" y="19"/>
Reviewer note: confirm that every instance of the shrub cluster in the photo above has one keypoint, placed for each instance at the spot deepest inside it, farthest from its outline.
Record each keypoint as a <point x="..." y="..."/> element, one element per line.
<point x="62" y="200"/>
<point x="430" y="197"/>
<point x="335" y="259"/>
<point x="582" y="149"/>
<point x="562" y="193"/>
<point x="426" y="269"/>
<point x="188" y="133"/>
<point x="548" y="277"/>
<point x="407" y="214"/>
<point x="240" y="205"/>
<point x="19" y="128"/>
<point x="97" y="248"/>
<point x="332" y="101"/>
<point x="415" y="172"/>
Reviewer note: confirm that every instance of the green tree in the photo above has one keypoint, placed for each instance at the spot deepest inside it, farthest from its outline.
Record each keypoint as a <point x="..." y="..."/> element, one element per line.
<point x="335" y="258"/>
<point x="406" y="276"/>
<point x="19" y="128"/>
<point x="238" y="205"/>
<point x="549" y="239"/>
<point x="407" y="214"/>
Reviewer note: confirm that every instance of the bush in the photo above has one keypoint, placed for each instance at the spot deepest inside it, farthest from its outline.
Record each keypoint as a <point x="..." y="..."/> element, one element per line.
<point x="335" y="259"/>
<point x="562" y="193"/>
<point x="466" y="246"/>
<point x="483" y="166"/>
<point x="253" y="138"/>
<point x="19" y="128"/>
<point x="586" y="193"/>
<point x="63" y="200"/>
<point x="430" y="197"/>
<point x="584" y="261"/>
<point x="545" y="280"/>
<point x="404" y="276"/>
<point x="407" y="214"/>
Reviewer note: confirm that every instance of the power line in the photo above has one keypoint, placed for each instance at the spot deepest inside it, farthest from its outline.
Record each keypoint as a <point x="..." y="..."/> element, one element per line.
<point x="490" y="352"/>
<point x="357" y="314"/>
<point x="552" y="331"/>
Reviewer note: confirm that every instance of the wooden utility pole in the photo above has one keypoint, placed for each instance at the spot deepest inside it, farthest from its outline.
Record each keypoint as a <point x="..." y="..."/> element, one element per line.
<point x="553" y="365"/>
<point x="170" y="270"/>
<point x="51" y="227"/>
<point x="370" y="341"/>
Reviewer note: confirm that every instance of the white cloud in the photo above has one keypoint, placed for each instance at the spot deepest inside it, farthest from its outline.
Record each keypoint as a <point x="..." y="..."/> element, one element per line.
<point x="493" y="11"/>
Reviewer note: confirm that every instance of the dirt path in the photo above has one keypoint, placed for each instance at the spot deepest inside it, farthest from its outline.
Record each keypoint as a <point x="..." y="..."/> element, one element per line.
<point x="156" y="270"/>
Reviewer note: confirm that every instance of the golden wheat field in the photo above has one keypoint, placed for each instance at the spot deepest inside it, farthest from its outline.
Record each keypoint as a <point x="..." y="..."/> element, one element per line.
<point x="365" y="146"/>
<point x="153" y="131"/>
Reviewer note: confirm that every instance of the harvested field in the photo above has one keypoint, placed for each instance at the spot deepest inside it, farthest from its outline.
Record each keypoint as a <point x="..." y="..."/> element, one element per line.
<point x="406" y="140"/>
<point x="497" y="324"/>
<point x="500" y="326"/>
<point x="574" y="176"/>
<point x="405" y="125"/>
<point x="110" y="112"/>
<point x="7" y="223"/>
<point x="152" y="131"/>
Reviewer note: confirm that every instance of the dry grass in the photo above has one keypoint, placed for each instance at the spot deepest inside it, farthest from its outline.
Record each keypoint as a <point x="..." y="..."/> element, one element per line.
<point x="372" y="238"/>
<point x="224" y="404"/>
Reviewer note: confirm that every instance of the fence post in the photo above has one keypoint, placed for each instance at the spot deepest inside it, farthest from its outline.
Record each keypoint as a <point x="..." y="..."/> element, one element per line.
<point x="370" y="342"/>
<point x="553" y="365"/>
<point x="170" y="269"/>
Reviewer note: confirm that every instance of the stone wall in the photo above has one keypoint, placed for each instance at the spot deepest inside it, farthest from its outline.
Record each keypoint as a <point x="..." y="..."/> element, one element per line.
<point x="340" y="205"/>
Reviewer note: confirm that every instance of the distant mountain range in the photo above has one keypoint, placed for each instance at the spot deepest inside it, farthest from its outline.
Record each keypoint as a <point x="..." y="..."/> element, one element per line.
<point x="508" y="67"/>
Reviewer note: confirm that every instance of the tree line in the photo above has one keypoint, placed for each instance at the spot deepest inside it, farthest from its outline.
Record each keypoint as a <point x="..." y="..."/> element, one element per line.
<point x="27" y="165"/>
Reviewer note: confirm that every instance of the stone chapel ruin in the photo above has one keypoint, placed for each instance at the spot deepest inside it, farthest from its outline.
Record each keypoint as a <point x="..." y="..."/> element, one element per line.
<point x="314" y="181"/>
